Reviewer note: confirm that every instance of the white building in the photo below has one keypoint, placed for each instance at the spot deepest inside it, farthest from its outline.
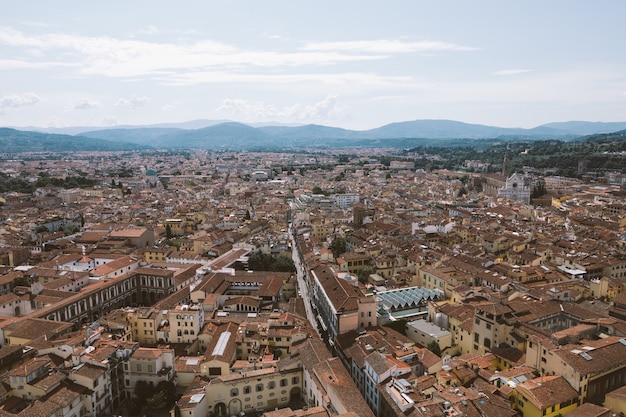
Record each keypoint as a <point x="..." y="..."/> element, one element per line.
<point x="346" y="200"/>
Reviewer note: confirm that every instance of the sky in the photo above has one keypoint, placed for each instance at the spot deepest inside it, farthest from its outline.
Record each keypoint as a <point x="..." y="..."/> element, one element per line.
<point x="351" y="64"/>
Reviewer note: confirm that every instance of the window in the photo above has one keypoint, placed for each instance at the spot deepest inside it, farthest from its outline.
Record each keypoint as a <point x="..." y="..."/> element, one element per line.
<point x="283" y="382"/>
<point x="234" y="392"/>
<point x="271" y="385"/>
<point x="295" y="380"/>
<point x="246" y="389"/>
<point x="259" y="387"/>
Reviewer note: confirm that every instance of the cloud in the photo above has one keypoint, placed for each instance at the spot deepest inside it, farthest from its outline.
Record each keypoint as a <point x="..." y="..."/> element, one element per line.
<point x="56" y="122"/>
<point x="169" y="107"/>
<point x="327" y="109"/>
<point x="115" y="57"/>
<point x="133" y="102"/>
<point x="13" y="64"/>
<point x="348" y="79"/>
<point x="86" y="104"/>
<point x="512" y="72"/>
<point x="15" y="101"/>
<point x="386" y="46"/>
<point x="109" y="121"/>
<point x="150" y="30"/>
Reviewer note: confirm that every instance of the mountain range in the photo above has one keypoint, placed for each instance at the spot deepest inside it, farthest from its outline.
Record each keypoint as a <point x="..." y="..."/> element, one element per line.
<point x="228" y="135"/>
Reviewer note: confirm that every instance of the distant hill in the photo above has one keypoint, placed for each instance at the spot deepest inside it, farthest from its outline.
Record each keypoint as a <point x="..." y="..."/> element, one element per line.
<point x="228" y="135"/>
<point x="78" y="130"/>
<point x="607" y="137"/>
<point x="586" y="128"/>
<point x="232" y="135"/>
<point x="146" y="136"/>
<point x="14" y="141"/>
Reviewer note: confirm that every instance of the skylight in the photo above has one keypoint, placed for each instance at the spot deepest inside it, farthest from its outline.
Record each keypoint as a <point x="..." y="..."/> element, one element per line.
<point x="221" y="344"/>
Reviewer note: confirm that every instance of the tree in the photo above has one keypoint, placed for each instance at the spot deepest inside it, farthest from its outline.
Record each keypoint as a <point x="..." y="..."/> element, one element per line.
<point x="338" y="246"/>
<point x="169" y="389"/>
<point x="283" y="264"/>
<point x="168" y="231"/>
<point x="364" y="273"/>
<point x="42" y="229"/>
<point x="434" y="348"/>
<point x="398" y="325"/>
<point x="260" y="261"/>
<point x="156" y="402"/>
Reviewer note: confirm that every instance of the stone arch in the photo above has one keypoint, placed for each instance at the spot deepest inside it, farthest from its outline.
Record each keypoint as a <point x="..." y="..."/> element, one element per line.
<point x="234" y="406"/>
<point x="220" y="409"/>
<point x="295" y="394"/>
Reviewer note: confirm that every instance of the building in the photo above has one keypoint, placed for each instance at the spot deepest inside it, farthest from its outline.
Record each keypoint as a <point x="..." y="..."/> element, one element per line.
<point x="424" y="333"/>
<point x="149" y="365"/>
<point x="346" y="200"/>
<point x="341" y="307"/>
<point x="548" y="396"/>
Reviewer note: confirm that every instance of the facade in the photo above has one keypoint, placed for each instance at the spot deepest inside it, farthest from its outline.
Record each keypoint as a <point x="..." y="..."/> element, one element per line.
<point x="185" y="323"/>
<point x="341" y="307"/>
<point x="98" y="383"/>
<point x="592" y="368"/>
<point x="424" y="333"/>
<point x="149" y="365"/>
<point x="548" y="396"/>
<point x="346" y="200"/>
<point x="261" y="389"/>
<point x="518" y="187"/>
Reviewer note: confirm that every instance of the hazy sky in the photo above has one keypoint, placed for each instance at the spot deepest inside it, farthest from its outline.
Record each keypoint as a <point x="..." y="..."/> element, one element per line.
<point x="353" y="64"/>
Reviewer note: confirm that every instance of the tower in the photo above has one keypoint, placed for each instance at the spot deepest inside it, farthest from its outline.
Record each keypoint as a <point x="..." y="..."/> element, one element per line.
<point x="505" y="164"/>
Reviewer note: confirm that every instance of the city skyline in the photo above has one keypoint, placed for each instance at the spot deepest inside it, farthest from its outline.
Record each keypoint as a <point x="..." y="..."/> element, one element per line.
<point x="351" y="65"/>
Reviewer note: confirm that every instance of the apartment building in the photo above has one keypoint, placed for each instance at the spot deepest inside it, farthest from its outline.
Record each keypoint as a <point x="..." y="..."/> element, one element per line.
<point x="341" y="307"/>
<point x="149" y="365"/>
<point x="591" y="367"/>
<point x="185" y="322"/>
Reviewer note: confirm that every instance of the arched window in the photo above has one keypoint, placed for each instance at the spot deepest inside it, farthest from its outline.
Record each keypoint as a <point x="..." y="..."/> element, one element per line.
<point x="234" y="392"/>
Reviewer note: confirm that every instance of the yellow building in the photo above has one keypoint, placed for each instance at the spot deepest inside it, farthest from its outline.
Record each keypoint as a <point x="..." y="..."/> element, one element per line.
<point x="177" y="227"/>
<point x="157" y="254"/>
<point x="143" y="323"/>
<point x="546" y="396"/>
<point x="459" y="319"/>
<point x="591" y="367"/>
<point x="260" y="389"/>
<point x="443" y="279"/>
<point x="490" y="327"/>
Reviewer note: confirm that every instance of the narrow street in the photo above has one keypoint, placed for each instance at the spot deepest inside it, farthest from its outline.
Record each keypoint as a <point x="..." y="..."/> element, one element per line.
<point x="303" y="288"/>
